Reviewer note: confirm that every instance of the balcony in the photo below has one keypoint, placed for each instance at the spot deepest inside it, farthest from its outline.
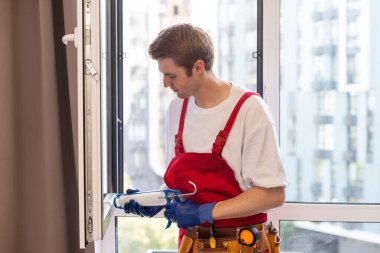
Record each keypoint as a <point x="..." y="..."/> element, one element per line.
<point x="324" y="119"/>
<point x="354" y="191"/>
<point x="325" y="15"/>
<point x="324" y="85"/>
<point x="352" y="15"/>
<point x="323" y="154"/>
<point x="328" y="49"/>
<point x="316" y="189"/>
<point x="350" y="120"/>
<point x="350" y="155"/>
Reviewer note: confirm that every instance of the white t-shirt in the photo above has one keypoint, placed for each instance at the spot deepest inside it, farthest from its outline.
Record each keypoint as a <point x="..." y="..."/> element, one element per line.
<point x="251" y="149"/>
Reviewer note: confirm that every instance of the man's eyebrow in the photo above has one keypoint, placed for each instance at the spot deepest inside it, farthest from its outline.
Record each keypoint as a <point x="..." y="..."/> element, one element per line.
<point x="169" y="74"/>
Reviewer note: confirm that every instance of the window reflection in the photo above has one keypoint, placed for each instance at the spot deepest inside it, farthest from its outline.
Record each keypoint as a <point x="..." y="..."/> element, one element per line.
<point x="138" y="235"/>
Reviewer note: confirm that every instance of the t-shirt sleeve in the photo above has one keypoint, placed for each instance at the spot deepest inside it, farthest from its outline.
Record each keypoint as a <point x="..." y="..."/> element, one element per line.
<point x="261" y="160"/>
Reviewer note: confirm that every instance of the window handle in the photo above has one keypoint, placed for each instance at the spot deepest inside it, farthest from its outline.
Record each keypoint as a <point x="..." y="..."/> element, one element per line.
<point x="70" y="37"/>
<point x="256" y="55"/>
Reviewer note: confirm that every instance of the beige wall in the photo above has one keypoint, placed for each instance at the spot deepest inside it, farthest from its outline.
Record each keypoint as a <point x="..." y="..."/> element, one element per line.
<point x="38" y="197"/>
<point x="8" y="173"/>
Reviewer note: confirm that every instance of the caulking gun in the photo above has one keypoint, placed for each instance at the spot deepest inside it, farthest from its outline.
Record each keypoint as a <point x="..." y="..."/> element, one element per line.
<point x="152" y="198"/>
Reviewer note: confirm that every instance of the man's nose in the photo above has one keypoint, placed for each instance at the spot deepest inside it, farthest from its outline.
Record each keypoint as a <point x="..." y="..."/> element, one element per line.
<point x="166" y="82"/>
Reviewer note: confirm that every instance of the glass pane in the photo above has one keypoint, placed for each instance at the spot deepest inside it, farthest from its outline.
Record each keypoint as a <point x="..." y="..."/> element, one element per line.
<point x="137" y="235"/>
<point x="329" y="237"/>
<point x="232" y="26"/>
<point x="329" y="92"/>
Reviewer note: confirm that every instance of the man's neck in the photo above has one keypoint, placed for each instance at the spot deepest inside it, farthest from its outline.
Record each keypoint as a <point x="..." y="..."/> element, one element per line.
<point x="212" y="92"/>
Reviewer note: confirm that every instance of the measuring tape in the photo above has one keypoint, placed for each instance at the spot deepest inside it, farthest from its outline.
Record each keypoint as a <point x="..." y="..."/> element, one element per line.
<point x="249" y="236"/>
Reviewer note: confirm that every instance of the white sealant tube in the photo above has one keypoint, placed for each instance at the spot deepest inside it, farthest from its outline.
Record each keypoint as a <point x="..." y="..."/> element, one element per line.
<point x="143" y="198"/>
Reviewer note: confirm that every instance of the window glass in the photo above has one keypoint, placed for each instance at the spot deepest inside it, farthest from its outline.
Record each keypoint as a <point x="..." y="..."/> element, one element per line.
<point x="146" y="236"/>
<point x="233" y="28"/>
<point x="329" y="237"/>
<point x="328" y="96"/>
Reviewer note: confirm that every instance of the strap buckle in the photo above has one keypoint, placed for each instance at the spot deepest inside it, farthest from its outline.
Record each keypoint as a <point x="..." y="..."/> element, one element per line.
<point x="178" y="144"/>
<point x="219" y="143"/>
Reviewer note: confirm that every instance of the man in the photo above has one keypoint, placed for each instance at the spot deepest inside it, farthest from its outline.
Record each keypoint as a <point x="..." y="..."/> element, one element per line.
<point x="220" y="137"/>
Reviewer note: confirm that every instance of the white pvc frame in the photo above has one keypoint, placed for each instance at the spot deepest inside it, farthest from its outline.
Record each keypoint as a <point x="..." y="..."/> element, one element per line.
<point x="271" y="56"/>
<point x="89" y="141"/>
<point x="80" y="161"/>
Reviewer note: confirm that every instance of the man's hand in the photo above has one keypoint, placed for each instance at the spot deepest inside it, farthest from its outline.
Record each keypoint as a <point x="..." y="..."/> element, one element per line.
<point x="187" y="213"/>
<point x="144" y="211"/>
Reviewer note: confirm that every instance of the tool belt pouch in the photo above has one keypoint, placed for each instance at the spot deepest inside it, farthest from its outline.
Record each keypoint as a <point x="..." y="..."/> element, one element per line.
<point x="226" y="241"/>
<point x="223" y="245"/>
<point x="273" y="240"/>
<point x="203" y="246"/>
<point x="186" y="244"/>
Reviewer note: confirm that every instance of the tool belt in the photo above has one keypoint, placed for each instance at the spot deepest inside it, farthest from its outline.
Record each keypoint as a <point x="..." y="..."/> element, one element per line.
<point x="197" y="239"/>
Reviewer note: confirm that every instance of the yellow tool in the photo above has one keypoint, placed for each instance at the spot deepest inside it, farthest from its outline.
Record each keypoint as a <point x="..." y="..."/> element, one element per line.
<point x="212" y="237"/>
<point x="249" y="236"/>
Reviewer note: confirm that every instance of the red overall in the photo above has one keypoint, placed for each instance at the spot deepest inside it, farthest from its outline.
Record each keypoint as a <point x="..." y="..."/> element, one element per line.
<point x="213" y="177"/>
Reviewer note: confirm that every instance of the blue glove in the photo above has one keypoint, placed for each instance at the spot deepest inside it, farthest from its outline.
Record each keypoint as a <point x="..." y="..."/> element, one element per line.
<point x="144" y="211"/>
<point x="187" y="213"/>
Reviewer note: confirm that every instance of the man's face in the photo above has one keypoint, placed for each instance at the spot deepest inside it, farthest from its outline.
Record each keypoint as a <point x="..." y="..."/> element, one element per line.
<point x="175" y="78"/>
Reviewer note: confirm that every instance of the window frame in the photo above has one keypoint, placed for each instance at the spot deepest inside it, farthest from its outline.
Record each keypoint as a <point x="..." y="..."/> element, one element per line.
<point x="89" y="156"/>
<point x="80" y="154"/>
<point x="270" y="57"/>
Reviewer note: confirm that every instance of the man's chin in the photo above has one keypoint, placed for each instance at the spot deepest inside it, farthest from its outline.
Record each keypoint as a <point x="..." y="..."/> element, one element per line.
<point x="181" y="95"/>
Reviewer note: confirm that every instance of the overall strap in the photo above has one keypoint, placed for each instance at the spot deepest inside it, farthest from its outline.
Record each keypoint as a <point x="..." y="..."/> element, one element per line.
<point x="222" y="136"/>
<point x="178" y="137"/>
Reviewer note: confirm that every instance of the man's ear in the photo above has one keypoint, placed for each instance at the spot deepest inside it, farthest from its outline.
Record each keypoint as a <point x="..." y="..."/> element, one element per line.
<point x="198" y="67"/>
